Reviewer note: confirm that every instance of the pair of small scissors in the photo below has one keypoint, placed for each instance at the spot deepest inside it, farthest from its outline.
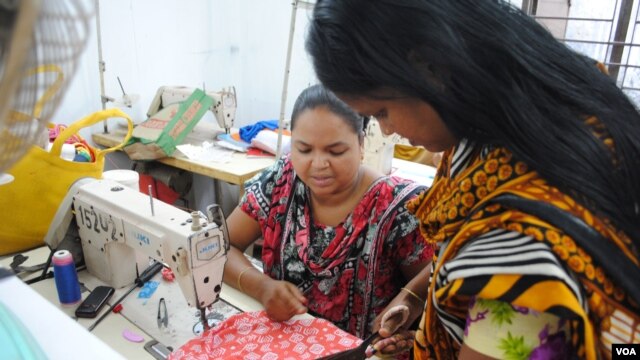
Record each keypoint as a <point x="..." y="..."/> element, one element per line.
<point x="163" y="317"/>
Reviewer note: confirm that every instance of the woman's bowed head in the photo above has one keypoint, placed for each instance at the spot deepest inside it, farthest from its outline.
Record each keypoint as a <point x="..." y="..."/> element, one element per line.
<point x="516" y="112"/>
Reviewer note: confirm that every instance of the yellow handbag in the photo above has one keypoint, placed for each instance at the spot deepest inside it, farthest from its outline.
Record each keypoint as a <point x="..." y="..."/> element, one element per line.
<point x="42" y="179"/>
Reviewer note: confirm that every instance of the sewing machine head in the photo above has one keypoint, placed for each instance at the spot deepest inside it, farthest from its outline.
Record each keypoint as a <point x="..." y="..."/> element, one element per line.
<point x="223" y="108"/>
<point x="118" y="225"/>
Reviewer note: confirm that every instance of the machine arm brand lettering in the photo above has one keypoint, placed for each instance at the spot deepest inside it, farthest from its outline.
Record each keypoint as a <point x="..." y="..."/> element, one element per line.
<point x="625" y="351"/>
<point x="208" y="248"/>
<point x="144" y="239"/>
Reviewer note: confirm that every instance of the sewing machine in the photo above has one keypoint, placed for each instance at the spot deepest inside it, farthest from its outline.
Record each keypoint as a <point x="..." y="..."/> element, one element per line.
<point x="379" y="148"/>
<point x="117" y="224"/>
<point x="223" y="108"/>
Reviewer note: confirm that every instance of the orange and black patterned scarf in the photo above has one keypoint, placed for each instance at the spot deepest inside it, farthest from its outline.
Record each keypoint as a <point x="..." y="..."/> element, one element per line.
<point x="456" y="210"/>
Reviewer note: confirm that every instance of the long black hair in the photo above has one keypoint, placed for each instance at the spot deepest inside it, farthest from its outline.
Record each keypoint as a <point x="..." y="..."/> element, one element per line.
<point x="496" y="77"/>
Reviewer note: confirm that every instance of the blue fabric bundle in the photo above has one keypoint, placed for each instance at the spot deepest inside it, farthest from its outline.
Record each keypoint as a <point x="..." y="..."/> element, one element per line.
<point x="247" y="133"/>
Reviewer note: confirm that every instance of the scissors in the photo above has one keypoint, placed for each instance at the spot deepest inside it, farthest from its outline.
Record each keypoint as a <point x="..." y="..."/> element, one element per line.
<point x="163" y="317"/>
<point x="357" y="353"/>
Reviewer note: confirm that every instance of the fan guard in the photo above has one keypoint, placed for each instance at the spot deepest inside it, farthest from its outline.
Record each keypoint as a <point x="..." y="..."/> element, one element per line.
<point x="40" y="44"/>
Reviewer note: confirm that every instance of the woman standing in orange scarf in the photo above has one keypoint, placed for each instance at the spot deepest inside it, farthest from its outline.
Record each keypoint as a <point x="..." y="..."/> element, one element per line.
<point x="535" y="208"/>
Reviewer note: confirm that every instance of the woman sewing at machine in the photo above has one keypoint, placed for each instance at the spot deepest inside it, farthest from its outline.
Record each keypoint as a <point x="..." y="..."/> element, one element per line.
<point x="338" y="240"/>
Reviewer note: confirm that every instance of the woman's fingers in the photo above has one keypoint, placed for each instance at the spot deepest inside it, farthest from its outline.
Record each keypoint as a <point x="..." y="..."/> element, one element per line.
<point x="393" y="319"/>
<point x="297" y="300"/>
<point x="283" y="300"/>
<point x="400" y="342"/>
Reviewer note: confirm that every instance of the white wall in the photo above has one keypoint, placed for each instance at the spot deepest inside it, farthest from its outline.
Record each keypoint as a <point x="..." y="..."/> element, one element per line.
<point x="151" y="43"/>
<point x="218" y="43"/>
<point x="554" y="8"/>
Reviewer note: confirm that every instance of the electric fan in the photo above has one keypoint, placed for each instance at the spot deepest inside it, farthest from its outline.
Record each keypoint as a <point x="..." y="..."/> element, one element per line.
<point x="40" y="43"/>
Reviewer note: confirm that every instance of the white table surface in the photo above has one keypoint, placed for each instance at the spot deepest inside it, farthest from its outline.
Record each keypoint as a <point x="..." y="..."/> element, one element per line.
<point x="420" y="173"/>
<point x="137" y="315"/>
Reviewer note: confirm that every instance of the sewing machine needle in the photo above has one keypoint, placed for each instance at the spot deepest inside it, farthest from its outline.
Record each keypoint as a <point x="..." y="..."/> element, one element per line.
<point x="153" y="213"/>
<point x="204" y="320"/>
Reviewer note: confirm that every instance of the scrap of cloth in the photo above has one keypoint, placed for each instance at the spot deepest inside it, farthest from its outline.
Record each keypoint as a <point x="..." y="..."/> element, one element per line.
<point x="247" y="133"/>
<point x="252" y="335"/>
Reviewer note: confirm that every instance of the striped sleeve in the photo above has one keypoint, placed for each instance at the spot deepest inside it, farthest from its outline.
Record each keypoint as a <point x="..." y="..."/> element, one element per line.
<point x="505" y="266"/>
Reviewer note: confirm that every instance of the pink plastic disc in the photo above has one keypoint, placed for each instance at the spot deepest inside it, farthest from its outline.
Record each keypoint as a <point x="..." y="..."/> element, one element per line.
<point x="131" y="336"/>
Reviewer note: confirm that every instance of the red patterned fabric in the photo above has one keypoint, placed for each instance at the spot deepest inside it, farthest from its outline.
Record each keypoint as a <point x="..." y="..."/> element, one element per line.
<point x="253" y="336"/>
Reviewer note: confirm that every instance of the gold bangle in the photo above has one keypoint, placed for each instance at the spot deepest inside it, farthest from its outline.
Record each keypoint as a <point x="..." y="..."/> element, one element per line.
<point x="413" y="294"/>
<point x="242" y="273"/>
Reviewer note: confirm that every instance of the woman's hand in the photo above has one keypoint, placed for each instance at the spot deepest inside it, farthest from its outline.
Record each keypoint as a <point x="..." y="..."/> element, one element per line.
<point x="393" y="322"/>
<point x="394" y="337"/>
<point x="282" y="300"/>
<point x="396" y="320"/>
<point x="398" y="343"/>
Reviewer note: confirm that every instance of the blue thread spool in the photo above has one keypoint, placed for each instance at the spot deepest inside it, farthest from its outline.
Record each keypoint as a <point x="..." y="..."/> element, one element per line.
<point x="64" y="272"/>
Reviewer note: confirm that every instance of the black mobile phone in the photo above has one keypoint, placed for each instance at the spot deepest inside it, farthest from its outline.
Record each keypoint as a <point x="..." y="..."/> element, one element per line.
<point x="90" y="307"/>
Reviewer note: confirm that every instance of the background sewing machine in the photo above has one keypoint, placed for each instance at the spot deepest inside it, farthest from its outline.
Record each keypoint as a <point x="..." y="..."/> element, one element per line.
<point x="223" y="108"/>
<point x="379" y="148"/>
<point x="120" y="228"/>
